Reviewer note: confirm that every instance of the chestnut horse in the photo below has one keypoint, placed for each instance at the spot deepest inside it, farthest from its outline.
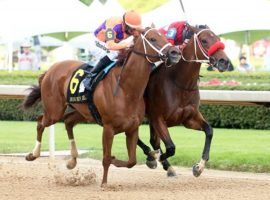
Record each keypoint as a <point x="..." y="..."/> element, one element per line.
<point x="172" y="97"/>
<point x="122" y="112"/>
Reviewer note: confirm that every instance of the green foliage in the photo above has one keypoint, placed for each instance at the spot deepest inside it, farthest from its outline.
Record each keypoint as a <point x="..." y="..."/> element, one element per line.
<point x="10" y="109"/>
<point x="142" y="5"/>
<point x="19" y="78"/>
<point x="222" y="116"/>
<point x="245" y="81"/>
<point x="243" y="117"/>
<point x="236" y="75"/>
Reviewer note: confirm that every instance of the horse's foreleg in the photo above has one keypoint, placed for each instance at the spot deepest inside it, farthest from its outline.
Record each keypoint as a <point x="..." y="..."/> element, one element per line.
<point x="71" y="119"/>
<point x="198" y="123"/>
<point x="107" y="140"/>
<point x="155" y="142"/>
<point x="150" y="160"/>
<point x="131" y="142"/>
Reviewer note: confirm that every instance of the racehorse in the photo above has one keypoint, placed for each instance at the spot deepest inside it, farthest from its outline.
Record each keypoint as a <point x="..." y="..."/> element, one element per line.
<point x="120" y="112"/>
<point x="172" y="98"/>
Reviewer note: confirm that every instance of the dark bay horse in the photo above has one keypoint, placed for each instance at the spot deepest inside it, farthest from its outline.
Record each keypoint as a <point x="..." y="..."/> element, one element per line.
<point x="122" y="112"/>
<point x="172" y="97"/>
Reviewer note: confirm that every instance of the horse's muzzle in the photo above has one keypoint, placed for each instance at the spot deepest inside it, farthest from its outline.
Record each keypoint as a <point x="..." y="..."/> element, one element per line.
<point x="221" y="64"/>
<point x="174" y="55"/>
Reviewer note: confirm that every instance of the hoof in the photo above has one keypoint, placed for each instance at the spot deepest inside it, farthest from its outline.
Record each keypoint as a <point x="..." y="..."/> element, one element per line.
<point x="197" y="170"/>
<point x="30" y="157"/>
<point x="151" y="162"/>
<point x="171" y="172"/>
<point x="71" y="164"/>
<point x="104" y="185"/>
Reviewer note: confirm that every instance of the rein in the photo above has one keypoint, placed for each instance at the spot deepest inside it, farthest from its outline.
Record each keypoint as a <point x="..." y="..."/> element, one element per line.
<point x="146" y="55"/>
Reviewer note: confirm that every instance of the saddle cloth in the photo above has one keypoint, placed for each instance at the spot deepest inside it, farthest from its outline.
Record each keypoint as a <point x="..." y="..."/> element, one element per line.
<point x="76" y="92"/>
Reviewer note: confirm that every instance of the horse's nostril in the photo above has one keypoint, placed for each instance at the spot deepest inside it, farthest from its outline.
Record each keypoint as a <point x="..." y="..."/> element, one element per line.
<point x="221" y="61"/>
<point x="174" y="53"/>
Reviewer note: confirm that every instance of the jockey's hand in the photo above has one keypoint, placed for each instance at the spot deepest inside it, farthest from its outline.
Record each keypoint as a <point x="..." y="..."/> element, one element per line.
<point x="129" y="44"/>
<point x="182" y="46"/>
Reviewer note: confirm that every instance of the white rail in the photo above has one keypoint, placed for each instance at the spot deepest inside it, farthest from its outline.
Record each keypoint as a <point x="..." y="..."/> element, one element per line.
<point x="207" y="96"/>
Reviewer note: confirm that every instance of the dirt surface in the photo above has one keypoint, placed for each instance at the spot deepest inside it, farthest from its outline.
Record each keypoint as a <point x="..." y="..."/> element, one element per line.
<point x="47" y="179"/>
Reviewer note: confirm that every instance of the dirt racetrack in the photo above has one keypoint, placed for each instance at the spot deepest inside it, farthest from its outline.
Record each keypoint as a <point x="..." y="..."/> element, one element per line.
<point x="45" y="179"/>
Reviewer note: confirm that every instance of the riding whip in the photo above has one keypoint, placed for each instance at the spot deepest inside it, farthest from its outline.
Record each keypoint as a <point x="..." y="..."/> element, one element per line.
<point x="183" y="9"/>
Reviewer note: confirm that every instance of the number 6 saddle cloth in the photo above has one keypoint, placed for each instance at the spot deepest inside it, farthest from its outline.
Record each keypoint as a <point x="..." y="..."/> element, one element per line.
<point x="76" y="92"/>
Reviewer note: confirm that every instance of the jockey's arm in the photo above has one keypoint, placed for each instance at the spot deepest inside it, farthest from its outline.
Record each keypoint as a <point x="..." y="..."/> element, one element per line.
<point x="111" y="45"/>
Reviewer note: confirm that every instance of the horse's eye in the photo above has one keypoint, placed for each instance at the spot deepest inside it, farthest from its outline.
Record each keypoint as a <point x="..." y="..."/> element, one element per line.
<point x="204" y="41"/>
<point x="153" y="39"/>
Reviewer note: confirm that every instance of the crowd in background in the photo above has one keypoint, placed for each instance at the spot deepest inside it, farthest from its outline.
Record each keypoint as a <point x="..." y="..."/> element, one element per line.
<point x="31" y="56"/>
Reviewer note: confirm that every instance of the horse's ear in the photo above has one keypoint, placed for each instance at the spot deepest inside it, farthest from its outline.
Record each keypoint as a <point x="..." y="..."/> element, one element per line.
<point x="194" y="29"/>
<point x="153" y="25"/>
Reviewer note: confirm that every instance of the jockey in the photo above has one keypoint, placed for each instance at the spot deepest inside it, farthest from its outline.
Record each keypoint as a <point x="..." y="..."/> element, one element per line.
<point x="110" y="37"/>
<point x="177" y="33"/>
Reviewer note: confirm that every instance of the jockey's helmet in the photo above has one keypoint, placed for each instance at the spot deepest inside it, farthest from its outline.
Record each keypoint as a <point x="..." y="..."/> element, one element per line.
<point x="132" y="20"/>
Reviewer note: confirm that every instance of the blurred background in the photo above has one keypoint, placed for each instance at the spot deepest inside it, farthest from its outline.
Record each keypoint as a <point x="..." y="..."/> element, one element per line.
<point x="61" y="29"/>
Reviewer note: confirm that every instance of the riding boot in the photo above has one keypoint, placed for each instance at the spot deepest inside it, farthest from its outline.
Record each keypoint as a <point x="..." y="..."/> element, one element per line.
<point x="104" y="62"/>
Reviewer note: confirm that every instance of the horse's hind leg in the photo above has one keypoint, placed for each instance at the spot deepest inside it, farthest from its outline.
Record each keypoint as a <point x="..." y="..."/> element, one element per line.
<point x="199" y="123"/>
<point x="159" y="129"/>
<point x="71" y="119"/>
<point x="53" y="112"/>
<point x="36" y="151"/>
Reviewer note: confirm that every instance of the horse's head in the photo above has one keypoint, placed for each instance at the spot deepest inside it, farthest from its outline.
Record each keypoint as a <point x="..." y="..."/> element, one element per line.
<point x="155" y="47"/>
<point x="207" y="46"/>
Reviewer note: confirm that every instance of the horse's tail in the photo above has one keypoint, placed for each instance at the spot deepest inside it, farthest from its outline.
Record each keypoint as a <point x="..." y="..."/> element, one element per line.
<point x="34" y="96"/>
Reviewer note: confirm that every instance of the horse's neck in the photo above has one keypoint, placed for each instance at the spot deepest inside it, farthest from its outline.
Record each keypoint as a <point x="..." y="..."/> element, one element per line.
<point x="186" y="74"/>
<point x="135" y="76"/>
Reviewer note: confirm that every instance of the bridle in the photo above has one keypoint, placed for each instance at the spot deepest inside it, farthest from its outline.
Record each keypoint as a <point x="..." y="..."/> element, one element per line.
<point x="206" y="52"/>
<point x="162" y="57"/>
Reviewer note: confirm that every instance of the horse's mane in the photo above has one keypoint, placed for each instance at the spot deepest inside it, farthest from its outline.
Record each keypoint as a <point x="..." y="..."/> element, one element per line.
<point x="123" y="56"/>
